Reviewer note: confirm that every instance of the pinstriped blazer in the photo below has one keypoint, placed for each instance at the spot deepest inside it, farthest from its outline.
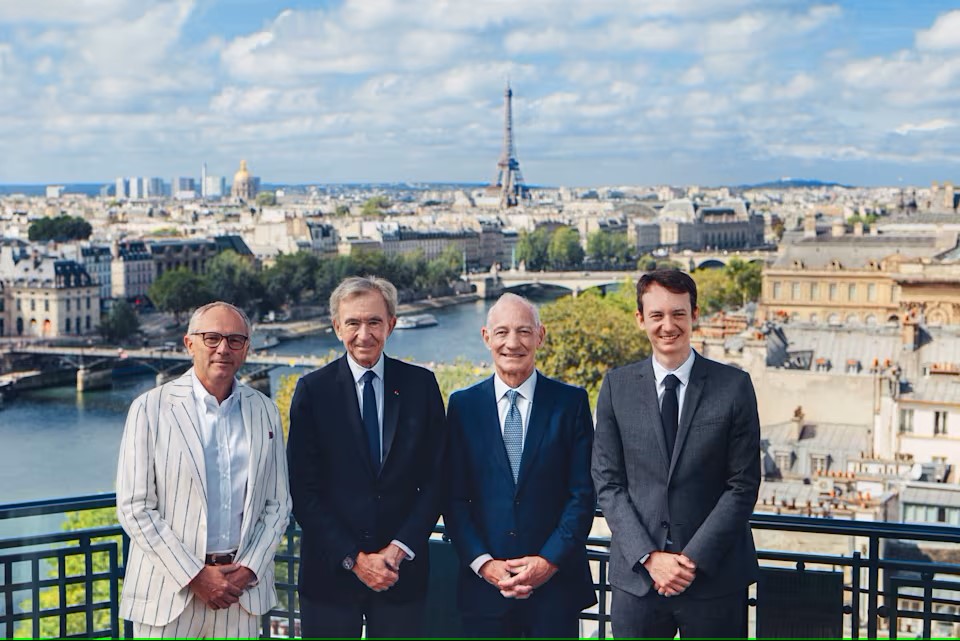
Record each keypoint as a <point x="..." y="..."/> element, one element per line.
<point x="162" y="504"/>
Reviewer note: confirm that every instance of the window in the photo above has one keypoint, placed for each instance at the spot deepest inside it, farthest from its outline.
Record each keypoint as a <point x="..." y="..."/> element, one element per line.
<point x="814" y="291"/>
<point x="872" y="293"/>
<point x="67" y="328"/>
<point x="906" y="421"/>
<point x="783" y="461"/>
<point x="818" y="463"/>
<point x="33" y="305"/>
<point x="68" y="306"/>
<point x="833" y="291"/>
<point x="939" y="423"/>
<point x="851" y="292"/>
<point x="795" y="291"/>
<point x="776" y="290"/>
<point x="46" y="305"/>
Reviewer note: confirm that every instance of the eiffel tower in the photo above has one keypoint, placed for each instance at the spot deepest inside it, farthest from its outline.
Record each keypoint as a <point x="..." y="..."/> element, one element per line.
<point x="509" y="180"/>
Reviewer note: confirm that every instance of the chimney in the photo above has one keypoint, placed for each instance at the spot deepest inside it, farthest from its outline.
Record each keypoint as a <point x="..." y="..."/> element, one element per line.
<point x="909" y="332"/>
<point x="796" y="424"/>
<point x="810" y="225"/>
<point x="838" y="228"/>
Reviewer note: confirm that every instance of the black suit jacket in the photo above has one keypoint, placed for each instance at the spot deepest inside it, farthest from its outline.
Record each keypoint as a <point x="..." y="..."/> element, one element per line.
<point x="548" y="512"/>
<point x="701" y="497"/>
<point x="341" y="506"/>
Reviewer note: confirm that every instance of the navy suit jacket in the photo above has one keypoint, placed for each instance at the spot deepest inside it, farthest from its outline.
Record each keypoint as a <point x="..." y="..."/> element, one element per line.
<point x="340" y="504"/>
<point x="548" y="512"/>
<point x="700" y="496"/>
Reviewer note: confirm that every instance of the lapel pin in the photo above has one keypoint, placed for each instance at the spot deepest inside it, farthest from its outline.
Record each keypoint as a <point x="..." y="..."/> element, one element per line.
<point x="270" y="434"/>
<point x="396" y="392"/>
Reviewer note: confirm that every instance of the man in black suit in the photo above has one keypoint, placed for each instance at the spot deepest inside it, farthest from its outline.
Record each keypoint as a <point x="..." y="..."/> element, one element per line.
<point x="676" y="463"/>
<point x="521" y="498"/>
<point x="367" y="436"/>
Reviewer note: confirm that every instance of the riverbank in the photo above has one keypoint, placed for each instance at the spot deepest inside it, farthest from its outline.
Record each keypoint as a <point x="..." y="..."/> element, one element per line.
<point x="298" y="329"/>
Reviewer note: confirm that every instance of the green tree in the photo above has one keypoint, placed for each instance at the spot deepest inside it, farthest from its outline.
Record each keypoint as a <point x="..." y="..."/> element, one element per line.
<point x="458" y="375"/>
<point x="266" y="199"/>
<point x="564" y="250"/>
<point x="649" y="262"/>
<point x="374" y="207"/>
<point x="62" y="228"/>
<point x="746" y="279"/>
<point x="609" y="248"/>
<point x="588" y="335"/>
<point x="75" y="565"/>
<point x="291" y="278"/>
<point x="532" y="249"/>
<point x="233" y="279"/>
<point x="178" y="291"/>
<point x="714" y="290"/>
<point x="120" y="323"/>
<point x="342" y="210"/>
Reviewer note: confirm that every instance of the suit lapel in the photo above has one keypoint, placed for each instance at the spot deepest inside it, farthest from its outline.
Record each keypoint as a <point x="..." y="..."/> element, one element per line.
<point x="490" y="424"/>
<point x="647" y="407"/>
<point x="391" y="406"/>
<point x="347" y="391"/>
<point x="186" y="426"/>
<point x="691" y="399"/>
<point x="537" y="428"/>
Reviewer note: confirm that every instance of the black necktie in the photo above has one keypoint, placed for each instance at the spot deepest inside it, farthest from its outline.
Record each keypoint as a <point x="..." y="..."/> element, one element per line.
<point x="670" y="411"/>
<point x="371" y="421"/>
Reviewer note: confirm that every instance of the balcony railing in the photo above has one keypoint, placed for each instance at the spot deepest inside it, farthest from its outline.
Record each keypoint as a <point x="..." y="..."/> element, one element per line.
<point x="62" y="565"/>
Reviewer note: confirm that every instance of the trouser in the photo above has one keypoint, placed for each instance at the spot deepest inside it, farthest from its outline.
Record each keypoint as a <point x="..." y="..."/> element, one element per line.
<point x="655" y="616"/>
<point x="383" y="619"/>
<point x="197" y="621"/>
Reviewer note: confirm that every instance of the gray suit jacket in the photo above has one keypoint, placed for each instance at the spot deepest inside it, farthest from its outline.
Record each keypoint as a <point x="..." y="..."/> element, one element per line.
<point x="162" y="501"/>
<point x="697" y="501"/>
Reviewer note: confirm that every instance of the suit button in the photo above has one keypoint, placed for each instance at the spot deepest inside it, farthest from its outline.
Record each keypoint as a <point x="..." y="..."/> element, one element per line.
<point x="516" y="502"/>
<point x="664" y="524"/>
<point x="511" y="533"/>
<point x="379" y="497"/>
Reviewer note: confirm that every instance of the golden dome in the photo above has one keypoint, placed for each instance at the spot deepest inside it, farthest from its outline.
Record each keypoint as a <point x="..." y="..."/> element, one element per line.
<point x="242" y="176"/>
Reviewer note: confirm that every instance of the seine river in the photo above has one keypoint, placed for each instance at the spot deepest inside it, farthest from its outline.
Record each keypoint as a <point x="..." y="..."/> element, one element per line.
<point x="57" y="442"/>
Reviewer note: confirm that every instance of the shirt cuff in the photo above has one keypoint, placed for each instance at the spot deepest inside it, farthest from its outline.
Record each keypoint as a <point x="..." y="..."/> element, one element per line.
<point x="406" y="550"/>
<point x="478" y="563"/>
<point x="639" y="564"/>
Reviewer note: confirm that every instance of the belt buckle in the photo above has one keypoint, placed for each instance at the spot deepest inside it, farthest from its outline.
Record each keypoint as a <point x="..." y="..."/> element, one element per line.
<point x="221" y="559"/>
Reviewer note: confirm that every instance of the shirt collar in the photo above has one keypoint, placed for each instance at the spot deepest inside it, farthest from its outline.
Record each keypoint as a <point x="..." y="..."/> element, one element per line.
<point x="682" y="372"/>
<point x="525" y="389"/>
<point x="207" y="399"/>
<point x="358" y="370"/>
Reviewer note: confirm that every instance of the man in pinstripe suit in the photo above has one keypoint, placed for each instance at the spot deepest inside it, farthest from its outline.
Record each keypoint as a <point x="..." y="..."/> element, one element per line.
<point x="202" y="492"/>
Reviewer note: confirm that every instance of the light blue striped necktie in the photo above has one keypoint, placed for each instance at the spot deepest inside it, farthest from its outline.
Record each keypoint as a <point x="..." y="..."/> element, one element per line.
<point x="513" y="433"/>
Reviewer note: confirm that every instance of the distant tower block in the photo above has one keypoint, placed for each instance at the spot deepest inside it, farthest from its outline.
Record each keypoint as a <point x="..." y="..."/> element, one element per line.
<point x="509" y="180"/>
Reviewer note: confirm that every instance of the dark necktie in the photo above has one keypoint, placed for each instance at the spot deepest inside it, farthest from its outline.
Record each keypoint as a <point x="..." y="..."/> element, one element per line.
<point x="371" y="421"/>
<point x="670" y="411"/>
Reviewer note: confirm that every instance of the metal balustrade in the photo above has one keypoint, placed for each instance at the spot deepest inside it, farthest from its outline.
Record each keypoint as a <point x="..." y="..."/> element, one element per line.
<point x="67" y="583"/>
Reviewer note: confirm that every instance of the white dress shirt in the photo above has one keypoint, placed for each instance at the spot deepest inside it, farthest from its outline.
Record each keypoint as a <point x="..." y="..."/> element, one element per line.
<point x="682" y="373"/>
<point x="226" y="455"/>
<point x="358" y="371"/>
<point x="525" y="407"/>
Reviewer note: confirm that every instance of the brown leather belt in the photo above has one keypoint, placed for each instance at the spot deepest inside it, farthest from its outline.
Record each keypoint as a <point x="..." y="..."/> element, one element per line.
<point x="225" y="558"/>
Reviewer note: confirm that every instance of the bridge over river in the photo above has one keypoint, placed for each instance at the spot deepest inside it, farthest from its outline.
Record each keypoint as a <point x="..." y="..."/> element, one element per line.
<point x="94" y="365"/>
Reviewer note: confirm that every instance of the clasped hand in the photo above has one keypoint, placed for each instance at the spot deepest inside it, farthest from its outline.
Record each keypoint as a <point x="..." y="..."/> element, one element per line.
<point x="518" y="578"/>
<point x="671" y="573"/>
<point x="220" y="586"/>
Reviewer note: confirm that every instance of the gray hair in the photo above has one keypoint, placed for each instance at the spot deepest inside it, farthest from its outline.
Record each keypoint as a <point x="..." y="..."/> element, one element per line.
<point x="200" y="311"/>
<point x="355" y="285"/>
<point x="519" y="299"/>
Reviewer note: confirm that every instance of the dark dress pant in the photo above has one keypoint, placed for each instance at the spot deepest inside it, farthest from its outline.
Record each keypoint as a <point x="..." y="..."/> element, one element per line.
<point x="384" y="620"/>
<point x="660" y="617"/>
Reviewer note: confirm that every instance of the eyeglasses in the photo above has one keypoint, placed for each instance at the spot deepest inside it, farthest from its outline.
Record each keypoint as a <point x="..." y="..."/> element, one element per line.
<point x="213" y="339"/>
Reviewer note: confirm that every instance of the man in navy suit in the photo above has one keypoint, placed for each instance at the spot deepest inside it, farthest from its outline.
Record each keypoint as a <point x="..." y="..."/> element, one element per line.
<point x="521" y="498"/>
<point x="677" y="469"/>
<point x="366" y="457"/>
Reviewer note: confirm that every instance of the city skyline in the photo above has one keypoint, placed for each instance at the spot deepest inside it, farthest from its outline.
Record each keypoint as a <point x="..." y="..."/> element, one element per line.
<point x="605" y="93"/>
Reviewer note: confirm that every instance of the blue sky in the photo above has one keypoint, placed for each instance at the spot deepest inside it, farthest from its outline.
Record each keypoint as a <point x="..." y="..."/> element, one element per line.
<point x="606" y="92"/>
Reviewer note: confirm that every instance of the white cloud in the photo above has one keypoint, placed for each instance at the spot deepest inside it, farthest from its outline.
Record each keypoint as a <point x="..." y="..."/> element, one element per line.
<point x="943" y="35"/>
<point x="937" y="124"/>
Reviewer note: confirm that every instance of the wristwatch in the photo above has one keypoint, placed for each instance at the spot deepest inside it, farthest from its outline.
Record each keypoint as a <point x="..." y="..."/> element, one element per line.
<point x="348" y="562"/>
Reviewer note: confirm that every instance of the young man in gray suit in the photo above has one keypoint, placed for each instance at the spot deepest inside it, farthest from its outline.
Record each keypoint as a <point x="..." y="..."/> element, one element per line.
<point x="676" y="462"/>
<point x="202" y="493"/>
